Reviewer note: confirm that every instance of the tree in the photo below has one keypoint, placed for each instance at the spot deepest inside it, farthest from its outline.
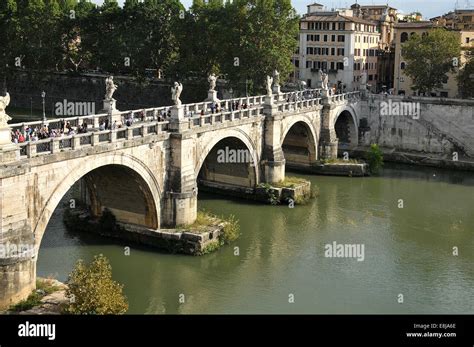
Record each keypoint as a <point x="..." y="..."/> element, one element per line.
<point x="466" y="76"/>
<point x="430" y="57"/>
<point x="9" y="30"/>
<point x="92" y="290"/>
<point x="262" y="37"/>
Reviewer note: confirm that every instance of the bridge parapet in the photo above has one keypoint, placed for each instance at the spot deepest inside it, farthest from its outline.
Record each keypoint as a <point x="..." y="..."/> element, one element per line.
<point x="79" y="141"/>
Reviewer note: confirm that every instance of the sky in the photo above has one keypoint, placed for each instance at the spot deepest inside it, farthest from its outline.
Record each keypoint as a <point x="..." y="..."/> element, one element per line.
<point x="429" y="8"/>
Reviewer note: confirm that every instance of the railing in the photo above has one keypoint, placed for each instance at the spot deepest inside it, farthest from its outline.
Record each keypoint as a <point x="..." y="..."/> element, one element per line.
<point x="198" y="114"/>
<point x="225" y="116"/>
<point x="58" y="144"/>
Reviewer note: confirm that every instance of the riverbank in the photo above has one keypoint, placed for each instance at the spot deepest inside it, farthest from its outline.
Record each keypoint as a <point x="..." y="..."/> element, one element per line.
<point x="49" y="298"/>
<point x="417" y="158"/>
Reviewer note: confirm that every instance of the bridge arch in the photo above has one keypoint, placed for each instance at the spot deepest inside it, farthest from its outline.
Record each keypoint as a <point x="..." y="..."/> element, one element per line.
<point x="346" y="127"/>
<point x="299" y="141"/>
<point x="119" y="164"/>
<point x="231" y="142"/>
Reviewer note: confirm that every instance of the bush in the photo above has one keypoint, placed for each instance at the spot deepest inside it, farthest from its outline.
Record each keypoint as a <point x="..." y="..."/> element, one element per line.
<point x="92" y="290"/>
<point x="231" y="230"/>
<point x="375" y="158"/>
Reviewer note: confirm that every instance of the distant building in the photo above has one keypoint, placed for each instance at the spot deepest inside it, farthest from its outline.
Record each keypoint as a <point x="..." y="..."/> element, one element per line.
<point x="403" y="83"/>
<point x="338" y="43"/>
<point x="457" y="19"/>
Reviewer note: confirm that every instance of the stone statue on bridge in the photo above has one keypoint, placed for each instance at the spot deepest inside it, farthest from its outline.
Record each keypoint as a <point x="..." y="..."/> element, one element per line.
<point x="324" y="80"/>
<point x="212" y="81"/>
<point x="269" y="85"/>
<point x="4" y="118"/>
<point x="110" y="88"/>
<point x="176" y="92"/>
<point x="276" y="77"/>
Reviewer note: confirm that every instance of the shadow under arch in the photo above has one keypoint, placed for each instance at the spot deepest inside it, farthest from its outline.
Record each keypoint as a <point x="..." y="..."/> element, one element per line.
<point x="299" y="143"/>
<point x="122" y="166"/>
<point x="231" y="159"/>
<point x="346" y="128"/>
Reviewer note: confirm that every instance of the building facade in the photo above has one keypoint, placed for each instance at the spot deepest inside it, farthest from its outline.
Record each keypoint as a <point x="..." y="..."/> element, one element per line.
<point x="339" y="44"/>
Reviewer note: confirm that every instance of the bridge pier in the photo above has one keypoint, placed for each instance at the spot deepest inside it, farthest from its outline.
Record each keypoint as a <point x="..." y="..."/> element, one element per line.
<point x="328" y="143"/>
<point x="273" y="158"/>
<point x="180" y="201"/>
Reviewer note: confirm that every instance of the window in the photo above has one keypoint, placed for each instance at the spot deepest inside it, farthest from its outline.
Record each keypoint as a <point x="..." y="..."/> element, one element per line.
<point x="332" y="65"/>
<point x="371" y="77"/>
<point x="333" y="26"/>
<point x="333" y="38"/>
<point x="317" y="38"/>
<point x="308" y="64"/>
<point x="341" y="26"/>
<point x="340" y="66"/>
<point x="402" y="66"/>
<point x="297" y="63"/>
<point x="404" y="37"/>
<point x="333" y="51"/>
<point x="467" y="40"/>
<point x="308" y="37"/>
<point x="341" y="38"/>
<point x="325" y="38"/>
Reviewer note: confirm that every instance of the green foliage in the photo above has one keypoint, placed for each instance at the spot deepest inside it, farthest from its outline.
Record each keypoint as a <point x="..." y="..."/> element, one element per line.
<point x="466" y="76"/>
<point x="242" y="41"/>
<point x="34" y="299"/>
<point x="231" y="230"/>
<point x="92" y="290"/>
<point x="43" y="288"/>
<point x="289" y="182"/>
<point x="430" y="57"/>
<point x="375" y="159"/>
<point x="269" y="191"/>
<point x="211" y="247"/>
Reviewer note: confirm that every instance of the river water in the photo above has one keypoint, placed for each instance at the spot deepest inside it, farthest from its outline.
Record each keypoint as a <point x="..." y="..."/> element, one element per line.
<point x="278" y="265"/>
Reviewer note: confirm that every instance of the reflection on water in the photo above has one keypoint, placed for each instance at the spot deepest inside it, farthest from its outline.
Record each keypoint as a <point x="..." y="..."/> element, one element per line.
<point x="281" y="251"/>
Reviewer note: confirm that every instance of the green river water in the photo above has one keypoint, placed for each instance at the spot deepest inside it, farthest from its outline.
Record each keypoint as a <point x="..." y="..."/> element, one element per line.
<point x="281" y="250"/>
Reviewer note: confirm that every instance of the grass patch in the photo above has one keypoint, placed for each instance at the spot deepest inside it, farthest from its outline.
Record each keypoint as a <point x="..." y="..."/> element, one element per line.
<point x="289" y="182"/>
<point x="43" y="288"/>
<point x="205" y="219"/>
<point x="339" y="161"/>
<point x="211" y="247"/>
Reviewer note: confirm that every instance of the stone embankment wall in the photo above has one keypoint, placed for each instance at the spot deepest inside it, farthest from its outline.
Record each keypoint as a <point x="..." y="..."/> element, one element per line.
<point x="25" y="89"/>
<point x="441" y="127"/>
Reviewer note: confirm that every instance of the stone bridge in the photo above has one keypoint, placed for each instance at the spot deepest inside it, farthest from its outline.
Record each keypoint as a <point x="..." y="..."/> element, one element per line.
<point x="147" y="174"/>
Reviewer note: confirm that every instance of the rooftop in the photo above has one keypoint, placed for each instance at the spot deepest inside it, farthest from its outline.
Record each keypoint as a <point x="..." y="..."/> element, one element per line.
<point x="335" y="17"/>
<point x="424" y="24"/>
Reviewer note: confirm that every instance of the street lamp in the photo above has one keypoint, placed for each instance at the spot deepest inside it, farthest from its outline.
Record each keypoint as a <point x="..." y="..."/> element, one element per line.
<point x="43" y="95"/>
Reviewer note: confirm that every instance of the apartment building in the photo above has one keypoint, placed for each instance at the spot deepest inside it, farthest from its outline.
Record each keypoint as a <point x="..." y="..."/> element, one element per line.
<point x="403" y="83"/>
<point x="457" y="20"/>
<point x="342" y="45"/>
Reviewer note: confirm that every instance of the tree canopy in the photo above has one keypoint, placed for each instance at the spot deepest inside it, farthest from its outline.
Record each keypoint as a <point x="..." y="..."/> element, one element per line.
<point x="430" y="57"/>
<point x="240" y="40"/>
